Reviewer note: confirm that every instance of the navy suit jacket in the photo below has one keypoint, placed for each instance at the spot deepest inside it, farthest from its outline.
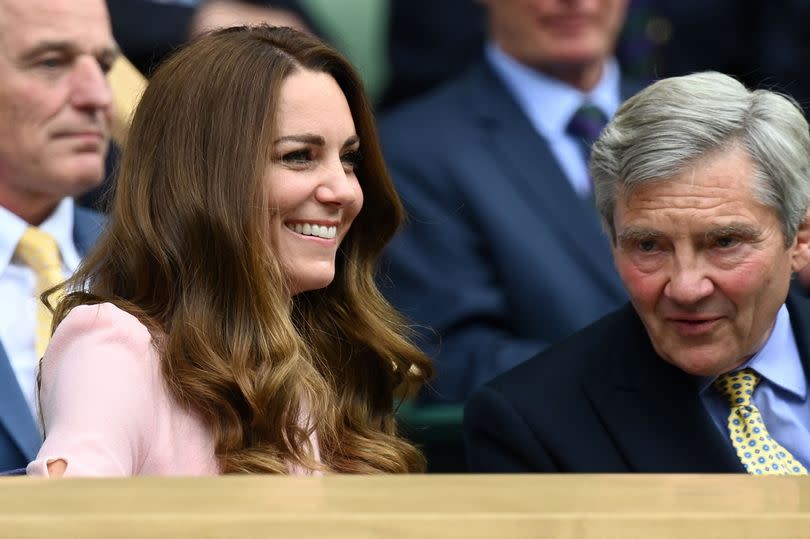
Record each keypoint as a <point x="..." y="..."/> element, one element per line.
<point x="19" y="434"/>
<point x="603" y="401"/>
<point x="500" y="256"/>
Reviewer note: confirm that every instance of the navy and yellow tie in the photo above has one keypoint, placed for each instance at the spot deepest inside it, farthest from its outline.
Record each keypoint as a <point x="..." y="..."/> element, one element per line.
<point x="38" y="250"/>
<point x="759" y="453"/>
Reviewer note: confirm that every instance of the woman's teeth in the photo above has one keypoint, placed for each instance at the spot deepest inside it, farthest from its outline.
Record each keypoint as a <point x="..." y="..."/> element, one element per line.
<point x="320" y="231"/>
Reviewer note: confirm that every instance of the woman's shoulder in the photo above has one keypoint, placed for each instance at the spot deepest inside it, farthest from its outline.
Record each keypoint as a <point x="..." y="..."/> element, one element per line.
<point x="101" y="323"/>
<point x="98" y="352"/>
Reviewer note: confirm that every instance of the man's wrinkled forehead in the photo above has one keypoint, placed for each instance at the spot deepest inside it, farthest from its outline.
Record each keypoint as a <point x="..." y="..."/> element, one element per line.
<point x="26" y="23"/>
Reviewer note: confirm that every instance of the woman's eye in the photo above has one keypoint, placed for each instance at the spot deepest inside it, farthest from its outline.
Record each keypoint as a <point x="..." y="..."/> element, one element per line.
<point x="350" y="160"/>
<point x="297" y="157"/>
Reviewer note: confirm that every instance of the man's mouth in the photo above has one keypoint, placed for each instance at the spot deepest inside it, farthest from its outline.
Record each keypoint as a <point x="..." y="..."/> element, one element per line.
<point x="87" y="140"/>
<point x="694" y="326"/>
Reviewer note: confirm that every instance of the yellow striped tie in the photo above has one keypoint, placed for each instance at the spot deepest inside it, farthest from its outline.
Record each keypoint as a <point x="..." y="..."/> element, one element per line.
<point x="759" y="453"/>
<point x="38" y="250"/>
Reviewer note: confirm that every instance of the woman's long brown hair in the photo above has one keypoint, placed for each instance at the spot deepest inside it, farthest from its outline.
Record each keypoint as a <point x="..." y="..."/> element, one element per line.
<point x="187" y="251"/>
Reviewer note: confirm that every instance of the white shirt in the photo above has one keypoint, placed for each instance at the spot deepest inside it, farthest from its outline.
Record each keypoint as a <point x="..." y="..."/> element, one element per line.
<point x="549" y="105"/>
<point x="18" y="290"/>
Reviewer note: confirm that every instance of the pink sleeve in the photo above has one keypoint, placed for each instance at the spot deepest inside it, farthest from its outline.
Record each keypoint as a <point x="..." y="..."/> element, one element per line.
<point x="97" y="396"/>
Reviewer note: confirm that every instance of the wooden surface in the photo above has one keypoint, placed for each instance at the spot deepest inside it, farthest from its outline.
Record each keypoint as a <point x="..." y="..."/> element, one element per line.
<point x="498" y="506"/>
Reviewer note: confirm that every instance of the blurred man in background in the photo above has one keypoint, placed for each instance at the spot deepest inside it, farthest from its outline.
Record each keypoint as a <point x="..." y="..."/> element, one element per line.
<point x="503" y="254"/>
<point x="55" y="112"/>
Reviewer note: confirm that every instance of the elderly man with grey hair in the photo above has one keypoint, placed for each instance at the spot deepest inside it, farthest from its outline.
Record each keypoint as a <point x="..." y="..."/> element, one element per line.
<point x="703" y="187"/>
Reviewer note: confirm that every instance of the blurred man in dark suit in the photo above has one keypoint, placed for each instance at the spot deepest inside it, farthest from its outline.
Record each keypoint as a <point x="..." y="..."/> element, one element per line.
<point x="503" y="253"/>
<point x="703" y="188"/>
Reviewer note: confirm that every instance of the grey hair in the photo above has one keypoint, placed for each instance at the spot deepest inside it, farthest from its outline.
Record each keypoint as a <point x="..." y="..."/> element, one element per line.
<point x="671" y="124"/>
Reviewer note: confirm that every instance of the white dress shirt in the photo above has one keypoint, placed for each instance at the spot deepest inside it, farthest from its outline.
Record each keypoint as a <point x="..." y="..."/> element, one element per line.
<point x="18" y="290"/>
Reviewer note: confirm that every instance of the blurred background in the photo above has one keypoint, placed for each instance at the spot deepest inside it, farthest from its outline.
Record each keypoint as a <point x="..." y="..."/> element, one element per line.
<point x="405" y="47"/>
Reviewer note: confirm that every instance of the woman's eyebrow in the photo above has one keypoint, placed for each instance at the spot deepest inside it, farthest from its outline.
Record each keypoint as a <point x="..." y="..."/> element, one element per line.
<point x="306" y="138"/>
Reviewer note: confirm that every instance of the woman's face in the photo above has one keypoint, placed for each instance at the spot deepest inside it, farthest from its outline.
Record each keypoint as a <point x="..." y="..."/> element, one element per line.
<point x="314" y="193"/>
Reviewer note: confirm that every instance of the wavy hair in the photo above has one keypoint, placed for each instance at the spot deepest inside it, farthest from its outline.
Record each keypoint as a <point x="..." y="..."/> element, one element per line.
<point x="187" y="251"/>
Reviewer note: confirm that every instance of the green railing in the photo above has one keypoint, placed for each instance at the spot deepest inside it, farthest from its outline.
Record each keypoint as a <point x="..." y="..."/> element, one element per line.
<point x="436" y="429"/>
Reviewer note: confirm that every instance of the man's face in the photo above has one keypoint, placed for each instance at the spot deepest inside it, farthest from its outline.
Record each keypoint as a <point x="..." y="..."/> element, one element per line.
<point x="705" y="264"/>
<point x="556" y="35"/>
<point x="55" y="103"/>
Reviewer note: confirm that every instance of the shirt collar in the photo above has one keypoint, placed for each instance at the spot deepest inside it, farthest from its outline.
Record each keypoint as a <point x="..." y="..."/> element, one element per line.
<point x="548" y="102"/>
<point x="778" y="361"/>
<point x="12" y="228"/>
<point x="59" y="225"/>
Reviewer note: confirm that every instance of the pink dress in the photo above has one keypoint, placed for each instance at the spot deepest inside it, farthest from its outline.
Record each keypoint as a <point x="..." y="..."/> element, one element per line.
<point x="106" y="409"/>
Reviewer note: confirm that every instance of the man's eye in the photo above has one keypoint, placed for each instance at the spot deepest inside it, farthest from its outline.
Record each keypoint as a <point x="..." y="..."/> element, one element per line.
<point x="105" y="66"/>
<point x="646" y="246"/>
<point x="51" y="62"/>
<point x="726" y="241"/>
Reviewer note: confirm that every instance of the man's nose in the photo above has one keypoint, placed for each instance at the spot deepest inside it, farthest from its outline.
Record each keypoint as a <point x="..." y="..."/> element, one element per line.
<point x="688" y="282"/>
<point x="90" y="88"/>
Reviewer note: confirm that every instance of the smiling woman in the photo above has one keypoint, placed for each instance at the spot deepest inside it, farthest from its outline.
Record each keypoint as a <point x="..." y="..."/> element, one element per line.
<point x="228" y="321"/>
<point x="314" y="191"/>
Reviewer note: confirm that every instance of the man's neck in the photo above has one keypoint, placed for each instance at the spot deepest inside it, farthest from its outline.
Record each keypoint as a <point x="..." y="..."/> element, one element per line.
<point x="33" y="208"/>
<point x="582" y="77"/>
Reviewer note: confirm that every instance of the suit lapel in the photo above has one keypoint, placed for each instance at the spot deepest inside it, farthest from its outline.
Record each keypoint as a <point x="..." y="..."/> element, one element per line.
<point x="798" y="306"/>
<point x="629" y="87"/>
<point x="87" y="226"/>
<point x="528" y="162"/>
<point x="15" y="415"/>
<point x="653" y="410"/>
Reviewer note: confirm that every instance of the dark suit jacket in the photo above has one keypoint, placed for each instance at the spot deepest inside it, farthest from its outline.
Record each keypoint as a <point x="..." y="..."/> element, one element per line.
<point x="19" y="433"/>
<point x="603" y="401"/>
<point x="430" y="42"/>
<point x="500" y="256"/>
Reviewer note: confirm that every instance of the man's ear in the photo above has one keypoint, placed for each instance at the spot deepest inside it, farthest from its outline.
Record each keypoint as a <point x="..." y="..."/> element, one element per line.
<point x="800" y="257"/>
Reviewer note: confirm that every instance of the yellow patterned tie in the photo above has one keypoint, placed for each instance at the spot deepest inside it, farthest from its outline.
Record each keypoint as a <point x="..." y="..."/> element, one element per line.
<point x="759" y="453"/>
<point x="38" y="250"/>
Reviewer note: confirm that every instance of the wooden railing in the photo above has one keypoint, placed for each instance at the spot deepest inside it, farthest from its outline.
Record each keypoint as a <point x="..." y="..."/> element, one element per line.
<point x="468" y="506"/>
